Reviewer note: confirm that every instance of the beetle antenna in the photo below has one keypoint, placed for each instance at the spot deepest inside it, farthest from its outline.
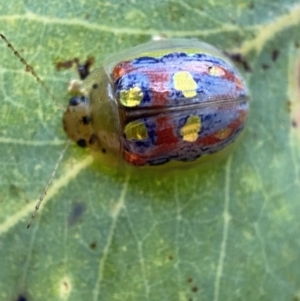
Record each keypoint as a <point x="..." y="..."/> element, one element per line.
<point x="30" y="69"/>
<point x="38" y="204"/>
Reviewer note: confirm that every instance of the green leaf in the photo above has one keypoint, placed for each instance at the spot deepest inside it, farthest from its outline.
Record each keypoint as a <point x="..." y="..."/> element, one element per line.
<point x="227" y="232"/>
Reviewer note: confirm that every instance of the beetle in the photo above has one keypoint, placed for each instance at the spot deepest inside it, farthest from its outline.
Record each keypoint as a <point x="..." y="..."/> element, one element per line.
<point x="165" y="101"/>
<point x="171" y="100"/>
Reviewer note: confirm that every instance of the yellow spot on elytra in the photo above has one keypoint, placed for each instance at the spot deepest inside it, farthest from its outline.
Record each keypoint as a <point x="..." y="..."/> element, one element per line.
<point x="223" y="133"/>
<point x="216" y="71"/>
<point x="190" y="130"/>
<point x="132" y="97"/>
<point x="184" y="82"/>
<point x="136" y="130"/>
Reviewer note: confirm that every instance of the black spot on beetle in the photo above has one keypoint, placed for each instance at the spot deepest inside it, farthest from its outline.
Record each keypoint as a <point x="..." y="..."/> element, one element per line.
<point x="275" y="55"/>
<point x="74" y="101"/>
<point x="81" y="143"/>
<point x="86" y="120"/>
<point x="93" y="139"/>
<point x="95" y="86"/>
<point x="83" y="99"/>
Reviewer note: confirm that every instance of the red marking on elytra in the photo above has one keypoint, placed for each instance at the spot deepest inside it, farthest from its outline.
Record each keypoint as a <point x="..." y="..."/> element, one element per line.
<point x="119" y="70"/>
<point x="134" y="158"/>
<point x="165" y="133"/>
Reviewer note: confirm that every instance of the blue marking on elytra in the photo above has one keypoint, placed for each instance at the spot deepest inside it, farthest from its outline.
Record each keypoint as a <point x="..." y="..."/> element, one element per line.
<point x="132" y="80"/>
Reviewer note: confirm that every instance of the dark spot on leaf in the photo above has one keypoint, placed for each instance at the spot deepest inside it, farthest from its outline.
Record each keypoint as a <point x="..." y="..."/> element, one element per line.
<point x="297" y="44"/>
<point x="240" y="59"/>
<point x="95" y="86"/>
<point x="251" y="5"/>
<point x="170" y="257"/>
<point x="93" y="245"/>
<point x="21" y="298"/>
<point x="189" y="280"/>
<point x="84" y="69"/>
<point x="14" y="190"/>
<point x="77" y="211"/>
<point x="275" y="55"/>
<point x="294" y="124"/>
<point x="66" y="285"/>
<point x="194" y="289"/>
<point x="103" y="150"/>
<point x="265" y="66"/>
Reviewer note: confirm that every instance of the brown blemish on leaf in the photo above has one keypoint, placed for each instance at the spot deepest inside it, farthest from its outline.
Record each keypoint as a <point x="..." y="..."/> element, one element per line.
<point x="251" y="5"/>
<point x="194" y="289"/>
<point x="265" y="66"/>
<point x="14" y="190"/>
<point x="170" y="257"/>
<point x="82" y="69"/>
<point x="77" y="211"/>
<point x="275" y="55"/>
<point x="93" y="245"/>
<point x="189" y="280"/>
<point x="65" y="288"/>
<point x="62" y="65"/>
<point x="240" y="59"/>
